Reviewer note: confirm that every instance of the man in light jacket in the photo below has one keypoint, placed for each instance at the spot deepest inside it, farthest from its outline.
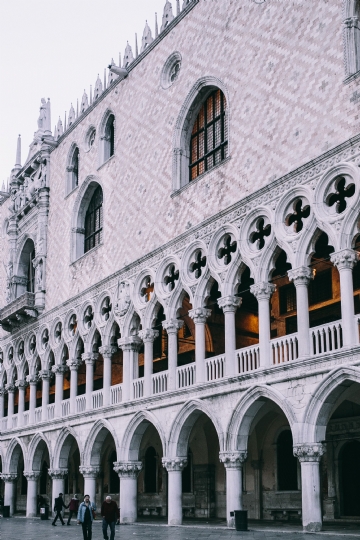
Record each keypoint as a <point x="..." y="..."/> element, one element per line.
<point x="86" y="516"/>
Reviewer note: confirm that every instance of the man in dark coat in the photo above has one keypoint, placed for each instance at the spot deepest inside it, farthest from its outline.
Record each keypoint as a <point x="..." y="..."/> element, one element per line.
<point x="73" y="507"/>
<point x="110" y="513"/>
<point x="58" y="506"/>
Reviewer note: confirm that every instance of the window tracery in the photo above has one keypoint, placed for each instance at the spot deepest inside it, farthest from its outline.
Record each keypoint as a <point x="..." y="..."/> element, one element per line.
<point x="94" y="221"/>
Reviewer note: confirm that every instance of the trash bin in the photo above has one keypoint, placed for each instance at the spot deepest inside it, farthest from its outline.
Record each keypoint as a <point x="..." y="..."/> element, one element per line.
<point x="6" y="511"/>
<point x="241" y="520"/>
<point x="44" y="512"/>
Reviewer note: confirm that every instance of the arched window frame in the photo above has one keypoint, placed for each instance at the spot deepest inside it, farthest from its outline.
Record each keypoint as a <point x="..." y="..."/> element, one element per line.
<point x="184" y="127"/>
<point x="107" y="137"/>
<point x="25" y="274"/>
<point x="72" y="169"/>
<point x="351" y="36"/>
<point x="94" y="221"/>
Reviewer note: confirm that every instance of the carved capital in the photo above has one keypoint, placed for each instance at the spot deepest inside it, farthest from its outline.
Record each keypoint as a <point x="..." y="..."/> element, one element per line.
<point x="233" y="460"/>
<point x="21" y="384"/>
<point x="10" y="388"/>
<point x="148" y="335"/>
<point x="2" y="391"/>
<point x="32" y="379"/>
<point x="229" y="304"/>
<point x="172" y="326"/>
<point x="8" y="477"/>
<point x="309" y="452"/>
<point x="174" y="464"/>
<point x="73" y="364"/>
<point x="107" y="352"/>
<point x="199" y="315"/>
<point x="89" y="472"/>
<point x="262" y="290"/>
<point x="301" y="276"/>
<point x="59" y="369"/>
<point x="128" y="469"/>
<point x="130" y="343"/>
<point x="344" y="259"/>
<point x="58" y="474"/>
<point x="45" y="374"/>
<point x="90" y="358"/>
<point x="32" y="475"/>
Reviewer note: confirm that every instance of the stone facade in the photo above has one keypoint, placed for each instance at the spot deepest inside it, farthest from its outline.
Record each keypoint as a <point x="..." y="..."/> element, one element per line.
<point x="215" y="324"/>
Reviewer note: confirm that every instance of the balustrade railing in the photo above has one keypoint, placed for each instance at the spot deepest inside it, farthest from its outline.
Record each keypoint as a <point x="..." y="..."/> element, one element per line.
<point x="26" y="418"/>
<point x="65" y="407"/>
<point x="116" y="394"/>
<point x="215" y="368"/>
<point x="80" y="403"/>
<point x="248" y="359"/>
<point x="186" y="375"/>
<point x="326" y="338"/>
<point x="160" y="382"/>
<point x="51" y="411"/>
<point x="138" y="388"/>
<point x="97" y="399"/>
<point x="284" y="349"/>
<point x="4" y="423"/>
<point x="14" y="421"/>
<point x="38" y="414"/>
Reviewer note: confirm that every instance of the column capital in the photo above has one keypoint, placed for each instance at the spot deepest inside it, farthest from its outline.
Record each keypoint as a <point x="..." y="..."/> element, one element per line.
<point x="199" y="315"/>
<point x="128" y="469"/>
<point x="301" y="276"/>
<point x="172" y="326"/>
<point x="32" y="475"/>
<point x="45" y="374"/>
<point x="346" y="258"/>
<point x="8" y="477"/>
<point x="233" y="460"/>
<point x="10" y="388"/>
<point x="2" y="391"/>
<point x="21" y="383"/>
<point x="148" y="335"/>
<point x="73" y="364"/>
<point x="90" y="358"/>
<point x="130" y="343"/>
<point x="229" y="304"/>
<point x="107" y="351"/>
<point x="57" y="474"/>
<point x="309" y="452"/>
<point x="32" y="379"/>
<point x="59" y="369"/>
<point x="262" y="290"/>
<point x="174" y="464"/>
<point x="89" y="472"/>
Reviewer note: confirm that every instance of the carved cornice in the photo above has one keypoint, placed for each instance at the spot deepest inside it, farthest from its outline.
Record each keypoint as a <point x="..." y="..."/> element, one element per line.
<point x="263" y="290"/>
<point x="229" y="304"/>
<point x="149" y="335"/>
<point x="128" y="469"/>
<point x="199" y="315"/>
<point x="172" y="326"/>
<point x="301" y="276"/>
<point x="233" y="460"/>
<point x="89" y="472"/>
<point x="309" y="452"/>
<point x="344" y="259"/>
<point x="58" y="474"/>
<point x="174" y="464"/>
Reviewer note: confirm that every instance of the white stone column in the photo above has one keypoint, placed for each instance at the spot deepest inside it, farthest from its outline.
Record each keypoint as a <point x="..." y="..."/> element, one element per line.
<point x="59" y="371"/>
<point x="10" y="388"/>
<point x="90" y="474"/>
<point x="107" y="353"/>
<point x="263" y="291"/>
<point x="233" y="463"/>
<point x="229" y="305"/>
<point x="32" y="492"/>
<point x="21" y="385"/>
<point x="148" y="336"/>
<point x="73" y="365"/>
<point x="2" y="405"/>
<point x="32" y="380"/>
<point x="174" y="467"/>
<point x="9" y="492"/>
<point x="309" y="456"/>
<point x="45" y="375"/>
<point x="199" y="316"/>
<point x="128" y="472"/>
<point x="58" y="483"/>
<point x="172" y="326"/>
<point x="89" y="359"/>
<point x="345" y="261"/>
<point x="130" y="347"/>
<point x="301" y="277"/>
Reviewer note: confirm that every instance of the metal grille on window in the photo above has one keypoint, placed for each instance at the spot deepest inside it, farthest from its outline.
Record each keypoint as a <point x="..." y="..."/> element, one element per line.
<point x="209" y="142"/>
<point x="94" y="221"/>
<point x="287" y="298"/>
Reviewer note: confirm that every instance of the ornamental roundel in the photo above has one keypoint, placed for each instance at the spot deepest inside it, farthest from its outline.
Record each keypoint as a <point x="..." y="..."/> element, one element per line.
<point x="32" y="344"/>
<point x="194" y="263"/>
<point x="167" y="277"/>
<point x="58" y="332"/>
<point x="88" y="317"/>
<point x="44" y="340"/>
<point x="146" y="290"/>
<point x="256" y="232"/>
<point x="71" y="325"/>
<point x="223" y="248"/>
<point x="171" y="277"/>
<point x="171" y="70"/>
<point x="105" y="309"/>
<point x="21" y="350"/>
<point x="11" y="355"/>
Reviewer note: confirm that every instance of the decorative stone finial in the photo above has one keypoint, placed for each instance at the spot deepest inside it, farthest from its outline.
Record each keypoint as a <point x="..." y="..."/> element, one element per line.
<point x="18" y="153"/>
<point x="156" y="26"/>
<point x="168" y="15"/>
<point x="177" y="7"/>
<point x="98" y="88"/>
<point x="136" y="47"/>
<point x="84" y="102"/>
<point x="71" y="117"/>
<point x="147" y="37"/>
<point x="112" y="75"/>
<point x="128" y="56"/>
<point x="104" y="79"/>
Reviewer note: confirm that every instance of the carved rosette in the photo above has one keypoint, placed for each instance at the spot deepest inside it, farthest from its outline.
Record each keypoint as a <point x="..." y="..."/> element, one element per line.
<point x="58" y="474"/>
<point x="32" y="475"/>
<point x="89" y="472"/>
<point x="130" y="343"/>
<point x="8" y="477"/>
<point x="309" y="452"/>
<point x="199" y="315"/>
<point x="174" y="464"/>
<point x="107" y="352"/>
<point x="148" y="335"/>
<point x="301" y="276"/>
<point x="172" y="326"/>
<point x="229" y="304"/>
<point x="344" y="259"/>
<point x="233" y="460"/>
<point x="263" y="290"/>
<point x="59" y="369"/>
<point x="128" y="469"/>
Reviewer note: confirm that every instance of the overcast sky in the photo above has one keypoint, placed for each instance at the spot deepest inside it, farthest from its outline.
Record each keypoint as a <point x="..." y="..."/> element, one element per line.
<point x="55" y="49"/>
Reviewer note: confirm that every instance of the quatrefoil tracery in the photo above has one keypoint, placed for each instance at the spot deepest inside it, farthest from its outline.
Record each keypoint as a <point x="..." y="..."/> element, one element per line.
<point x="88" y="317"/>
<point x="58" y="332"/>
<point x="262" y="231"/>
<point x="198" y="264"/>
<point x="106" y="308"/>
<point x="11" y="354"/>
<point x="171" y="279"/>
<point x="341" y="194"/>
<point x="32" y="344"/>
<point x="72" y="324"/>
<point x="147" y="289"/>
<point x="226" y="251"/>
<point x="21" y="349"/>
<point x="45" y="338"/>
<point x="296" y="218"/>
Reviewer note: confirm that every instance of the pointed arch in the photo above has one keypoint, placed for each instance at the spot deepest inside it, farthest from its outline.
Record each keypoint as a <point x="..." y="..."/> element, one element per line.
<point x="107" y="131"/>
<point x="91" y="454"/>
<point x="35" y="451"/>
<point x="134" y="432"/>
<point x="72" y="168"/>
<point x="13" y="453"/>
<point x="63" y="446"/>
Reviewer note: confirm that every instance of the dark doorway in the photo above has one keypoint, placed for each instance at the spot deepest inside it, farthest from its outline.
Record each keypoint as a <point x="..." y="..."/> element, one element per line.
<point x="286" y="463"/>
<point x="350" y="478"/>
<point x="150" y="472"/>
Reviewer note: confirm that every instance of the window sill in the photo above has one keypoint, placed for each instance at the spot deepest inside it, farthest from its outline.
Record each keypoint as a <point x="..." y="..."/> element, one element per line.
<point x="71" y="192"/>
<point x="87" y="253"/>
<point x="192" y="182"/>
<point x="106" y="162"/>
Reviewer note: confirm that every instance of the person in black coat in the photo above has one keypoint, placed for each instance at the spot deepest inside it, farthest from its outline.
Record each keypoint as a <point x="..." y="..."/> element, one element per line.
<point x="58" y="506"/>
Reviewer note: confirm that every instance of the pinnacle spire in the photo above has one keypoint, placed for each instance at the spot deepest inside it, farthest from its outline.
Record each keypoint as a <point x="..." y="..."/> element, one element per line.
<point x="18" y="153"/>
<point x="177" y="7"/>
<point x="136" y="47"/>
<point x="147" y="37"/>
<point x="156" y="26"/>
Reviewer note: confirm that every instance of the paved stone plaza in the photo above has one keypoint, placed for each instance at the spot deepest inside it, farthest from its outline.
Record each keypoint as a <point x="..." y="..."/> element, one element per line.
<point x="35" y="529"/>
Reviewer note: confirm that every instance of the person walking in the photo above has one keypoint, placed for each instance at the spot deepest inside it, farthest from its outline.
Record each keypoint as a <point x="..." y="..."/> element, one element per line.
<point x="73" y="507"/>
<point x="58" y="506"/>
<point x="110" y="514"/>
<point x="86" y="516"/>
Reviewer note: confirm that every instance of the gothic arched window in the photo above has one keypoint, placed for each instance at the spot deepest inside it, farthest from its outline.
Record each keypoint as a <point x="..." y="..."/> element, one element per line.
<point x="73" y="170"/>
<point x="351" y="36"/>
<point x="286" y="463"/>
<point x="94" y="221"/>
<point x="109" y="138"/>
<point x="209" y="137"/>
